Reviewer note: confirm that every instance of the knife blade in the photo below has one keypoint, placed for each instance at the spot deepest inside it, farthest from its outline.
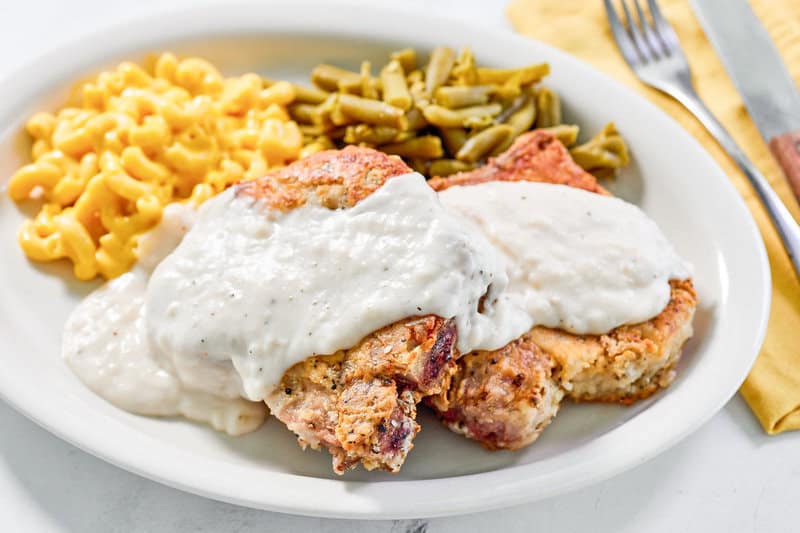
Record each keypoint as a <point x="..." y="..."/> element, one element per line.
<point x="755" y="66"/>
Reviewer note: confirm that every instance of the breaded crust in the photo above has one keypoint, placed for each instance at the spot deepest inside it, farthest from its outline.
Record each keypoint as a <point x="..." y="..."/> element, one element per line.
<point x="631" y="362"/>
<point x="332" y="178"/>
<point x="627" y="364"/>
<point x="503" y="398"/>
<point x="535" y="156"/>
<point x="360" y="404"/>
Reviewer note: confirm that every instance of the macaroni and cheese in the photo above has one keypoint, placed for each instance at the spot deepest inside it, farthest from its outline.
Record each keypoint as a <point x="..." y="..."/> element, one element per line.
<point x="138" y="140"/>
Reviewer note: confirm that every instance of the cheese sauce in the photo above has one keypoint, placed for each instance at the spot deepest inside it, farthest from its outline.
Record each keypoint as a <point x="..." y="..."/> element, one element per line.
<point x="250" y="290"/>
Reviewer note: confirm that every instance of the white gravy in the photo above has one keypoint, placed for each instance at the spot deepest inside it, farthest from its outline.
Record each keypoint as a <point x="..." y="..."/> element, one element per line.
<point x="105" y="344"/>
<point x="250" y="290"/>
<point x="266" y="289"/>
<point x="578" y="261"/>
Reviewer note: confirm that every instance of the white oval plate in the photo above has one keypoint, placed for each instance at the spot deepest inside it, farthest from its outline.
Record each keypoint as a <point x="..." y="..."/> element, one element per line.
<point x="671" y="177"/>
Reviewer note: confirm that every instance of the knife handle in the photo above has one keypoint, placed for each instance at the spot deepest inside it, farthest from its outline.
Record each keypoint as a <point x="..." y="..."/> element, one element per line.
<point x="786" y="149"/>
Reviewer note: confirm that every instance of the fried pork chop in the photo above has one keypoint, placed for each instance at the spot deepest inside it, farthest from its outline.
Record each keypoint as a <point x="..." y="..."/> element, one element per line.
<point x="360" y="403"/>
<point x="505" y="398"/>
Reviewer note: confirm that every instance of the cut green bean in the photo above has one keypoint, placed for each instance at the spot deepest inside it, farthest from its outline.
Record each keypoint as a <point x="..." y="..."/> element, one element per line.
<point x="330" y="78"/>
<point x="480" y="144"/>
<point x="446" y="167"/>
<point x="302" y="113"/>
<point x="395" y="89"/>
<point x="464" y="70"/>
<point x="604" y="150"/>
<point x="548" y="108"/>
<point x="454" y="118"/>
<point x="372" y="111"/>
<point x="407" y="57"/>
<point x="302" y="94"/>
<point x="439" y="67"/>
<point x="566" y="133"/>
<point x="415" y="119"/>
<point x="424" y="147"/>
<point x="528" y="75"/>
<point x="368" y="89"/>
<point x="522" y="119"/>
<point x="454" y="139"/>
<point x="375" y="135"/>
<point x="462" y="95"/>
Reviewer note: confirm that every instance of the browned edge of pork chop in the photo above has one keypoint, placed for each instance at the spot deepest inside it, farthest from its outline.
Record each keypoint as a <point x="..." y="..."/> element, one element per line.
<point x="359" y="403"/>
<point x="505" y="398"/>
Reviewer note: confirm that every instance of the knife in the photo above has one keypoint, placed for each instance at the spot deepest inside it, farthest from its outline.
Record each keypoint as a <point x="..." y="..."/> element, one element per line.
<point x="752" y="61"/>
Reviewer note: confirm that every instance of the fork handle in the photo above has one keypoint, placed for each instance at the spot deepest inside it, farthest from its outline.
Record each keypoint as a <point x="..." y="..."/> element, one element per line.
<point x="787" y="227"/>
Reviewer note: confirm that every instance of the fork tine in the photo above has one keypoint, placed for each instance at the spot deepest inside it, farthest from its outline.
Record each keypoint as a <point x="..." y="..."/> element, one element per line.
<point x="664" y="31"/>
<point x="624" y="43"/>
<point x="649" y="35"/>
<point x="636" y="35"/>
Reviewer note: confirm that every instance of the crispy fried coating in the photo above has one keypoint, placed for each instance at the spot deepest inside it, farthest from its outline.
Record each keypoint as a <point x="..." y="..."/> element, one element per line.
<point x="629" y="363"/>
<point x="332" y="178"/>
<point x="503" y="398"/>
<point x="360" y="403"/>
<point x="535" y="156"/>
<point x="625" y="365"/>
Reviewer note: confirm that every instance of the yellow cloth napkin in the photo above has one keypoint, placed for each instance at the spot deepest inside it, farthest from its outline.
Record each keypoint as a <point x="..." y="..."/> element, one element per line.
<point x="579" y="27"/>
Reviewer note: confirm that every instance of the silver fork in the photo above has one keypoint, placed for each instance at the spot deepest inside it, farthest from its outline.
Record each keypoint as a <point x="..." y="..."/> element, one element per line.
<point x="655" y="55"/>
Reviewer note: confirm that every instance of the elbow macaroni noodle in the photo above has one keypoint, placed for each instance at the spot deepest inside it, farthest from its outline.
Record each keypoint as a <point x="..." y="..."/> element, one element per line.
<point x="138" y="140"/>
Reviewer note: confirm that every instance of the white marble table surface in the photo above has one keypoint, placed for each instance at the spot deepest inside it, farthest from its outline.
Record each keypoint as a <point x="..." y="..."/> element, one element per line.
<point x="728" y="476"/>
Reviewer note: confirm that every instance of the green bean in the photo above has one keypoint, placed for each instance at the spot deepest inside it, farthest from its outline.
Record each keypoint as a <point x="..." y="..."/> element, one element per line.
<point x="372" y="111"/>
<point x="424" y="147"/>
<point x="482" y="143"/>
<point x="445" y="167"/>
<point x="479" y="122"/>
<point x="604" y="150"/>
<point x="566" y="133"/>
<point x="522" y="119"/>
<point x="338" y="117"/>
<point x="368" y="89"/>
<point x="407" y="57"/>
<point x="512" y="87"/>
<point x="364" y="133"/>
<point x="418" y="94"/>
<point x="302" y="113"/>
<point x="415" y="119"/>
<point x="395" y="90"/>
<point x="548" y="108"/>
<point x="462" y="95"/>
<point x="332" y="78"/>
<point x="322" y="113"/>
<point x="528" y="75"/>
<point x="309" y="95"/>
<point x="303" y="94"/>
<point x="454" y="139"/>
<point x="453" y="118"/>
<point x="439" y="66"/>
<point x="512" y="108"/>
<point x="464" y="70"/>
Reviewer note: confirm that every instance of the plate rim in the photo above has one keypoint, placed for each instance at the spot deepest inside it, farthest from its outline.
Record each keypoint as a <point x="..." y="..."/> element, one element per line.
<point x="343" y="498"/>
